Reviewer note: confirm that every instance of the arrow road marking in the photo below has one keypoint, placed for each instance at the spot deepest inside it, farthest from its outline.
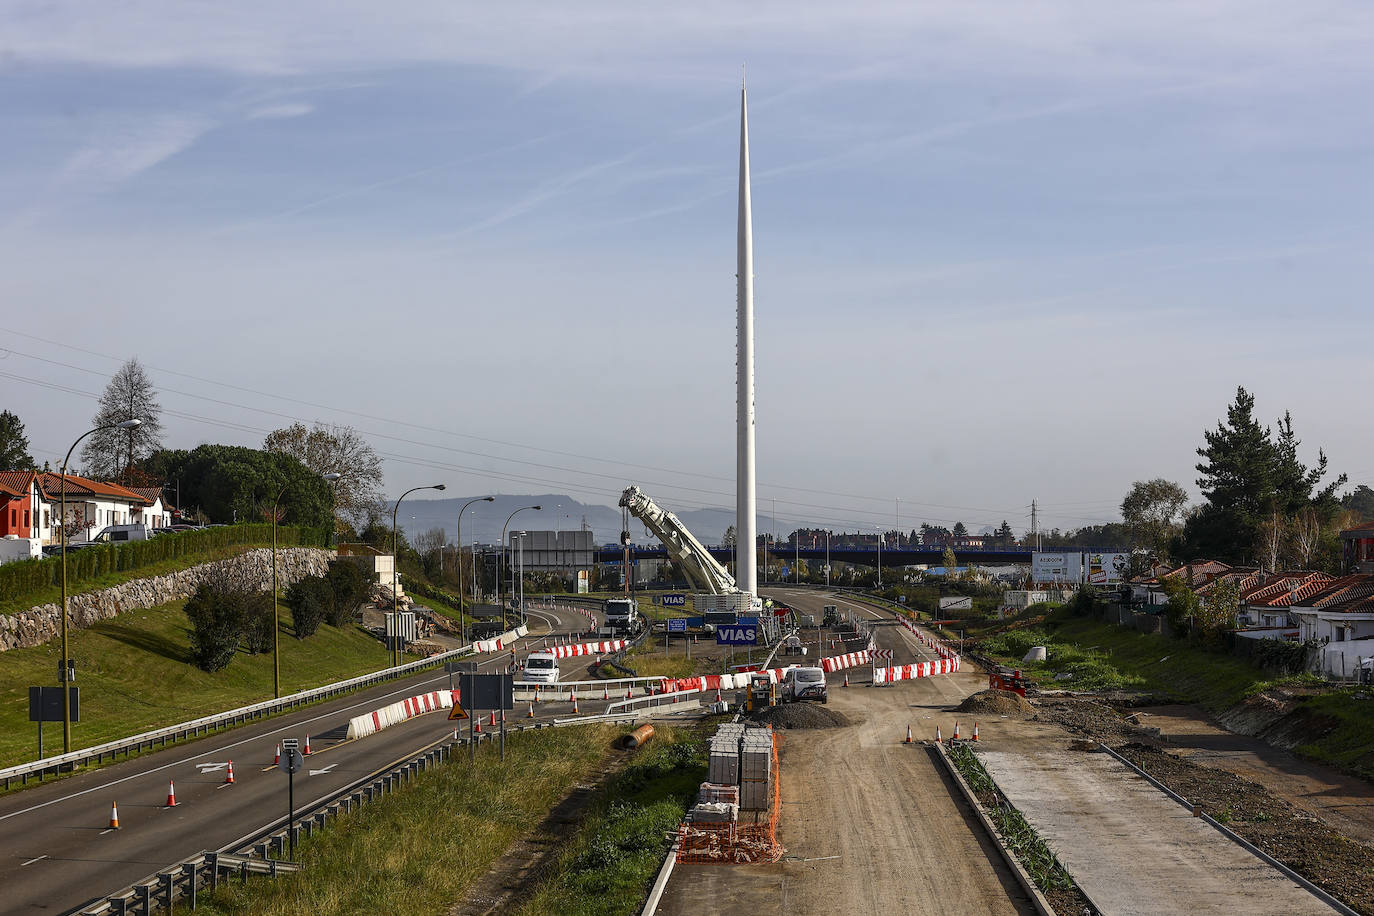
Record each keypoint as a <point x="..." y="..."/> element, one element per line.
<point x="211" y="767"/>
<point x="325" y="770"/>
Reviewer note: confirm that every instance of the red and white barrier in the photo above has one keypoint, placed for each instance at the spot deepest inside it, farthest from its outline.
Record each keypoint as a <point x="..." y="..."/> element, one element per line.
<point x="604" y="647"/>
<point x="911" y="672"/>
<point x="502" y="642"/>
<point x="848" y="660"/>
<point x="409" y="708"/>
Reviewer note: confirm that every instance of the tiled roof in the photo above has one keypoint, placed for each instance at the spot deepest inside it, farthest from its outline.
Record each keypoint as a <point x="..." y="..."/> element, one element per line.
<point x="152" y="494"/>
<point x="1362" y="530"/>
<point x="16" y="483"/>
<point x="51" y="485"/>
<point x="1280" y="589"/>
<point x="1341" y="590"/>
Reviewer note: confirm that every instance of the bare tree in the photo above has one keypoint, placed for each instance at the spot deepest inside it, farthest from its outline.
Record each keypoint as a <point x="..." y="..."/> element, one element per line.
<point x="130" y="395"/>
<point x="427" y="542"/>
<point x="336" y="450"/>
<point x="1305" y="534"/>
<point x="1273" y="534"/>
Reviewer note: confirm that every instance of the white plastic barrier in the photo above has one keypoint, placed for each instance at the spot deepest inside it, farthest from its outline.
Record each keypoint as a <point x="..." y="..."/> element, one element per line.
<point x="400" y="711"/>
<point x="501" y="642"/>
<point x="848" y="660"/>
<point x="911" y="672"/>
<point x="606" y="647"/>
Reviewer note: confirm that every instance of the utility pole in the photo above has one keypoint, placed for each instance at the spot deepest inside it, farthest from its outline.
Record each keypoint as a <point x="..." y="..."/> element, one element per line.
<point x="1035" y="526"/>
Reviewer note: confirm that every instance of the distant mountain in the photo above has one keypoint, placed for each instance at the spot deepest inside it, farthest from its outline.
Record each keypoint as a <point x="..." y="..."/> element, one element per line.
<point x="482" y="521"/>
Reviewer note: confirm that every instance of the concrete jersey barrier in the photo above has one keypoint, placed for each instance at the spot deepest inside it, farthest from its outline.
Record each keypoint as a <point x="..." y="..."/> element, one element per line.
<point x="400" y="711"/>
<point x="848" y="660"/>
<point x="605" y="647"/>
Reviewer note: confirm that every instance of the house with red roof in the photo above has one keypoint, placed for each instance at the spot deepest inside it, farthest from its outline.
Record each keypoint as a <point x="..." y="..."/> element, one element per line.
<point x="91" y="506"/>
<point x="18" y="507"/>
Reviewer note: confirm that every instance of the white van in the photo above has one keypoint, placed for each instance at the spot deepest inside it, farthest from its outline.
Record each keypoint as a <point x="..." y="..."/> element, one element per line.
<point x="541" y="668"/>
<point x="114" y="534"/>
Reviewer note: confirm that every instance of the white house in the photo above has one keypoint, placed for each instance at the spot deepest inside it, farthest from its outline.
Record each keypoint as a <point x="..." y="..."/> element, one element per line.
<point x="91" y="505"/>
<point x="1340" y="612"/>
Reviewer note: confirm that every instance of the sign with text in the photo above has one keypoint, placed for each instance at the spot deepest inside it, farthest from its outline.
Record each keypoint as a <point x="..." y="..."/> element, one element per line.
<point x="677" y="625"/>
<point x="674" y="600"/>
<point x="745" y="632"/>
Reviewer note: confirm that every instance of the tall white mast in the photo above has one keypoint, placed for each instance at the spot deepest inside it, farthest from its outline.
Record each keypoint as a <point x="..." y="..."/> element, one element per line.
<point x="746" y="572"/>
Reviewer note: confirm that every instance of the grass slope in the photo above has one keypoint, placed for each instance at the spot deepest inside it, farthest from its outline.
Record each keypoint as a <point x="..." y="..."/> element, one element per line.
<point x="420" y="850"/>
<point x="135" y="675"/>
<point x="608" y="868"/>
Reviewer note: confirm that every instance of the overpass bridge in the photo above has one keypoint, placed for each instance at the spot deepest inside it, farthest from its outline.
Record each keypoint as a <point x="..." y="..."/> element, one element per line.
<point x="858" y="556"/>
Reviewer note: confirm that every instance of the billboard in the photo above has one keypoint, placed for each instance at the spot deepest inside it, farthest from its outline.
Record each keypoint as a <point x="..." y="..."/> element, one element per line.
<point x="955" y="603"/>
<point x="1056" y="567"/>
<point x="1106" y="568"/>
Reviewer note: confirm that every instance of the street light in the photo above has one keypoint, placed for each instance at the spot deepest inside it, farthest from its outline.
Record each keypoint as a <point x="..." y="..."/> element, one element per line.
<point x="827" y="558"/>
<point x="395" y="583"/>
<point x="880" y="557"/>
<point x="63" y="674"/>
<point x="458" y="539"/>
<point x="502" y="555"/>
<point x="521" y="555"/>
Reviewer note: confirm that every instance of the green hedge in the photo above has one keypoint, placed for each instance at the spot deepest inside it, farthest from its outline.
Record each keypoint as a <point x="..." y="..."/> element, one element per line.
<point x="30" y="576"/>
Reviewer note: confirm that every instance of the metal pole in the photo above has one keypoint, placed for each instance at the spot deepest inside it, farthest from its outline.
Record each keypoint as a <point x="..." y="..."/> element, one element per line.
<point x="395" y="579"/>
<point x="276" y="657"/>
<point x="291" y="802"/>
<point x="827" y="559"/>
<point x="458" y="540"/>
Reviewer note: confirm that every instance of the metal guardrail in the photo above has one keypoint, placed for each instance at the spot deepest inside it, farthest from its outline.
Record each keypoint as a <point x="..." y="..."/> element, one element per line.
<point x="204" y="725"/>
<point x="184" y="881"/>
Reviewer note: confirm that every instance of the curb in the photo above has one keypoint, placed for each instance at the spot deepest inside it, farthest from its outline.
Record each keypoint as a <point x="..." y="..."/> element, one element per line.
<point x="1239" y="840"/>
<point x="1038" y="900"/>
<point x="661" y="882"/>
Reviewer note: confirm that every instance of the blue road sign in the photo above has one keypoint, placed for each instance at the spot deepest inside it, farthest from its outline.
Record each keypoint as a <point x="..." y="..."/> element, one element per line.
<point x="677" y="624"/>
<point x="737" y="634"/>
<point x="674" y="600"/>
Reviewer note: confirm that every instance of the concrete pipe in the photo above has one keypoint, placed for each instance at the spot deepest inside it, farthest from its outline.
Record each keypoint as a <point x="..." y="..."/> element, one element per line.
<point x="639" y="737"/>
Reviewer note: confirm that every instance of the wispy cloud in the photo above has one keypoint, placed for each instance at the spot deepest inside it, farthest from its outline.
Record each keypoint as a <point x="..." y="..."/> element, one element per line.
<point x="281" y="111"/>
<point x="119" y="149"/>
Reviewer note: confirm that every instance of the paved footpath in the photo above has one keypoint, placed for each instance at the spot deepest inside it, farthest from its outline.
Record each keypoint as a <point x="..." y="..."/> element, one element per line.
<point x="1129" y="846"/>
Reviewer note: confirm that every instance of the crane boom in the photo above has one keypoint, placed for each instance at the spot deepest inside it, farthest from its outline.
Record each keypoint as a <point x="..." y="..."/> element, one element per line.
<point x="703" y="571"/>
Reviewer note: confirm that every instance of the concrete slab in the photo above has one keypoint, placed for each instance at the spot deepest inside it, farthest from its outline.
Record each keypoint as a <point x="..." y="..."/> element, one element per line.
<point x="1130" y="847"/>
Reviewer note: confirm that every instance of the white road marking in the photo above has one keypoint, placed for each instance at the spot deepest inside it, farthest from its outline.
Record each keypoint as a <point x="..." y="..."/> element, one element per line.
<point x="285" y="728"/>
<point x="31" y="861"/>
<point x="325" y="770"/>
<point x="210" y="767"/>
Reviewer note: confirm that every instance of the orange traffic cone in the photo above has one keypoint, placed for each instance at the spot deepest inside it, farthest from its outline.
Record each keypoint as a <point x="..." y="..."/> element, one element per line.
<point x="492" y="723"/>
<point x="572" y="695"/>
<point x="171" y="794"/>
<point x="229" y="777"/>
<point x="476" y="724"/>
<point x="306" y="752"/>
<point x="605" y="693"/>
<point x="718" y="695"/>
<point x="536" y="694"/>
<point x="956" y="729"/>
<point x="938" y="739"/>
<point x="114" y="815"/>
<point x="975" y="731"/>
<point x="908" y="735"/>
<point x="846" y="679"/>
<point x="503" y="716"/>
<point x="530" y="714"/>
<point x="629" y="693"/>
<point x="276" y="760"/>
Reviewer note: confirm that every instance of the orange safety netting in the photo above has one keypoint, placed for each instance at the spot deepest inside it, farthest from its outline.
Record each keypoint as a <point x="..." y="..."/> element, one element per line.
<point x="737" y="843"/>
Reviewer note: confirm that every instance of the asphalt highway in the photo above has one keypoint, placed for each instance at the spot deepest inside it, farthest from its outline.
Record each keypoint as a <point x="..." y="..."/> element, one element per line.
<point x="57" y="851"/>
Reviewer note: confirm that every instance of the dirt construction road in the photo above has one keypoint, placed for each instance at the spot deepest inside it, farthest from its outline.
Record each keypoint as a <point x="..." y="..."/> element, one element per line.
<point x="870" y="824"/>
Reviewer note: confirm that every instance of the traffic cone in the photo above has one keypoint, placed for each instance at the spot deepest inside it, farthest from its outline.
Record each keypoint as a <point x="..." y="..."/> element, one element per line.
<point x="229" y="777"/>
<point x="492" y="723"/>
<point x="306" y="752"/>
<point x="956" y="729"/>
<point x="846" y="679"/>
<point x="975" y="731"/>
<point x="908" y="735"/>
<point x="171" y="794"/>
<point x="276" y="760"/>
<point x="503" y="717"/>
<point x="476" y="724"/>
<point x="572" y="695"/>
<point x="114" y="815"/>
<point x="629" y="693"/>
<point x="530" y="714"/>
<point x="575" y="704"/>
<point x="718" y="695"/>
<point x="536" y="694"/>
<point x="605" y="693"/>
<point x="938" y="739"/>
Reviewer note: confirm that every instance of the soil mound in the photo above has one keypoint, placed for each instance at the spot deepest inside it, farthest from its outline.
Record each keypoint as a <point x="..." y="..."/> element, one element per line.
<point x="998" y="703"/>
<point x="800" y="715"/>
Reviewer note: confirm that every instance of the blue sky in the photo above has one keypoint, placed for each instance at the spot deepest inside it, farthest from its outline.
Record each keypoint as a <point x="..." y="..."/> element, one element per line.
<point x="1003" y="251"/>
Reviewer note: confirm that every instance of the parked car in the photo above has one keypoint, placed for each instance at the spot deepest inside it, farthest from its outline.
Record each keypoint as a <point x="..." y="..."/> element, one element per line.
<point x="114" y="534"/>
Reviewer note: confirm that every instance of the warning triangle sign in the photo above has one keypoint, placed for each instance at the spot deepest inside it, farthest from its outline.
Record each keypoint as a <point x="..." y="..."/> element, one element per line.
<point x="457" y="713"/>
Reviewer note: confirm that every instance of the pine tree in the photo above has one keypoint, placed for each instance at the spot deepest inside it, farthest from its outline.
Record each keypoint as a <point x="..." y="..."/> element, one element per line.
<point x="14" y="445"/>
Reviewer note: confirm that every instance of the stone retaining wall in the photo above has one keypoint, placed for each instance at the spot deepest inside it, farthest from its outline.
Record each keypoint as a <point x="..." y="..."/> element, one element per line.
<point x="253" y="569"/>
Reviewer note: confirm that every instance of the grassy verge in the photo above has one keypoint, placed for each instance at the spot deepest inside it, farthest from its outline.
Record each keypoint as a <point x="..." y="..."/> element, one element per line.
<point x="1019" y="836"/>
<point x="420" y="850"/>
<point x="608" y="868"/>
<point x="135" y="675"/>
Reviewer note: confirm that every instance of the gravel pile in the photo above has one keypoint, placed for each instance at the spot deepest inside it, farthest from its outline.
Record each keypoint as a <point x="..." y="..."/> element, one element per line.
<point x="800" y="715"/>
<point x="998" y="703"/>
<point x="1089" y="717"/>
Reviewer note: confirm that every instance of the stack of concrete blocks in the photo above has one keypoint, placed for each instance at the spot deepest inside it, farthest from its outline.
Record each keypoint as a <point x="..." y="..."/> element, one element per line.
<point x="756" y="769"/>
<point x="723" y="761"/>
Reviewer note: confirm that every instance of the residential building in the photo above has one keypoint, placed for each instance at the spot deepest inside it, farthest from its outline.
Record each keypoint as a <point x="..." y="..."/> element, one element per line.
<point x="18" y="508"/>
<point x="1359" y="548"/>
<point x="1342" y="610"/>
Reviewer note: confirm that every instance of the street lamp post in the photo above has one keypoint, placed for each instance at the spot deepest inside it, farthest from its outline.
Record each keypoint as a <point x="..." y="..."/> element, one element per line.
<point x="63" y="675"/>
<point x="502" y="554"/>
<point x="827" y="558"/>
<point x="880" y="558"/>
<point x="395" y="578"/>
<point x="521" y="565"/>
<point x="458" y="539"/>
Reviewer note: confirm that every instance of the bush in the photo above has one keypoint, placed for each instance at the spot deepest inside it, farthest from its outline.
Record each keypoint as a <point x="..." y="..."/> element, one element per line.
<point x="259" y="622"/>
<point x="350" y="589"/>
<point x="216" y="616"/>
<point x="311" y="600"/>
